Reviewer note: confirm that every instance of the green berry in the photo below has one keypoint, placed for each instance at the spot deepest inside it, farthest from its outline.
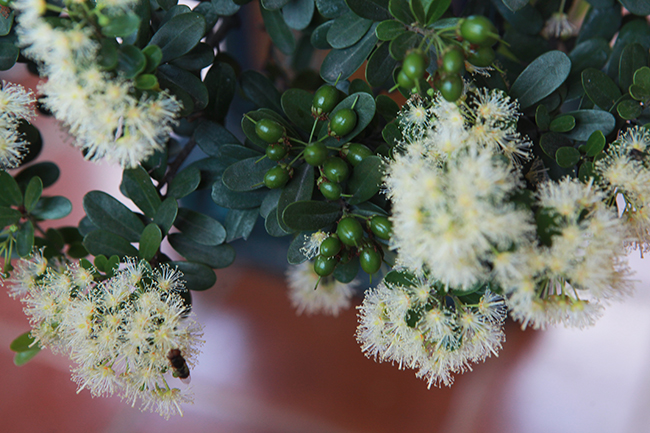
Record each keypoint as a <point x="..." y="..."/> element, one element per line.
<point x="276" y="177"/>
<point x="453" y="62"/>
<point x="381" y="227"/>
<point x="315" y="153"/>
<point x="355" y="153"/>
<point x="276" y="151"/>
<point x="477" y="29"/>
<point x="324" y="266"/>
<point x="483" y="56"/>
<point x="269" y="130"/>
<point x="414" y="65"/>
<point x="330" y="190"/>
<point x="330" y="247"/>
<point x="349" y="231"/>
<point x="404" y="81"/>
<point x="325" y="99"/>
<point x="369" y="259"/>
<point x="451" y="87"/>
<point x="343" y="122"/>
<point x="335" y="169"/>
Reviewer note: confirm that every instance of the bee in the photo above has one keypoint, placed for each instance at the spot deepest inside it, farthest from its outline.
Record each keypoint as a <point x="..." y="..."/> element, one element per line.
<point x="179" y="366"/>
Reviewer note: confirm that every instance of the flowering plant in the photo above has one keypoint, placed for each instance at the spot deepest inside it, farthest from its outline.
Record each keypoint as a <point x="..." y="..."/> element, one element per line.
<point x="494" y="161"/>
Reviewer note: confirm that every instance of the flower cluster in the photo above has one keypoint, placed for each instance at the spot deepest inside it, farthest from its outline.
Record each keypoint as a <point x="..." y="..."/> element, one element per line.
<point x="15" y="103"/>
<point x="102" y="111"/>
<point x="119" y="331"/>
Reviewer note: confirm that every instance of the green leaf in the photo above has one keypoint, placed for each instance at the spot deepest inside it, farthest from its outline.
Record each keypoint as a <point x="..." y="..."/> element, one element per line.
<point x="25" y="239"/>
<point x="592" y="53"/>
<point x="221" y="84"/>
<point x="130" y="61"/>
<point x="526" y="20"/>
<point x="341" y="64"/>
<point x="138" y="187"/>
<point x="224" y="197"/>
<point x="368" y="209"/>
<point x="318" y="37"/>
<point x="146" y="82"/>
<point x="298" y="13"/>
<point x="103" y="242"/>
<point x="637" y="7"/>
<point x="211" y="136"/>
<point x="550" y="142"/>
<point x="541" y="78"/>
<point x="273" y="4"/>
<point x="201" y="56"/>
<point x="247" y="174"/>
<point x="629" y="110"/>
<point x="542" y="119"/>
<point x="310" y="215"/>
<point x="600" y="88"/>
<point x="402" y="44"/>
<point x="47" y="171"/>
<point x="76" y="250"/>
<point x="633" y="57"/>
<point x="179" y="35"/>
<point x="586" y="171"/>
<point x="296" y="104"/>
<point x="8" y="216"/>
<point x="23" y="358"/>
<point x="347" y="30"/>
<point x="595" y="144"/>
<point x="166" y="214"/>
<point x="600" y="23"/>
<point x="391" y="134"/>
<point x="366" y="179"/>
<point x="199" y="227"/>
<point x="365" y="109"/>
<point x="197" y="276"/>
<point x="332" y="8"/>
<point x="515" y="5"/>
<point x="175" y="78"/>
<point x="389" y="30"/>
<point x="271" y="200"/>
<point x="639" y="93"/>
<point x="294" y="255"/>
<point x="23" y="343"/>
<point x="358" y="85"/>
<point x="375" y="10"/>
<point x="563" y="123"/>
<point x="33" y="193"/>
<point x="6" y="22"/>
<point x="209" y="13"/>
<point x="272" y="225"/>
<point x="109" y="214"/>
<point x="225" y="8"/>
<point x="184" y="183"/>
<point x="401" y="9"/>
<point x="11" y="195"/>
<point x="346" y="272"/>
<point x="239" y="223"/>
<point x="260" y="90"/>
<point x="150" y="241"/>
<point x="278" y="30"/>
<point x="167" y="4"/>
<point x="215" y="256"/>
<point x="380" y="66"/>
<point x="8" y="55"/>
<point x="567" y="157"/>
<point x="588" y="121"/>
<point x="301" y="187"/>
<point x="387" y="107"/>
<point x="634" y="31"/>
<point x="122" y="26"/>
<point x="435" y="9"/>
<point x="642" y="78"/>
<point x="52" y="208"/>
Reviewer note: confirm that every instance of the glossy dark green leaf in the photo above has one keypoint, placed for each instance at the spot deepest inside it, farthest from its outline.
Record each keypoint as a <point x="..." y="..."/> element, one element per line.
<point x="294" y="253"/>
<point x="640" y="93"/>
<point x="366" y="179"/>
<point x="139" y="188"/>
<point x="296" y="104"/>
<point x="595" y="144"/>
<point x="130" y="61"/>
<point x="145" y="82"/>
<point x="635" y="31"/>
<point x="346" y="272"/>
<point x="86" y="226"/>
<point x="260" y="90"/>
<point x="196" y="275"/>
<point x="600" y="23"/>
<point x="319" y="36"/>
<point x="541" y="78"/>
<point x="107" y="243"/>
<point x="550" y="142"/>
<point x="201" y="56"/>
<point x="9" y="53"/>
<point x="225" y="8"/>
<point x="586" y="171"/>
<point x="301" y="187"/>
<point x="200" y="228"/>
<point x="310" y="215"/>
<point x="174" y="78"/>
<point x="33" y="193"/>
<point x="341" y="64"/>
<point x="633" y="57"/>
<point x="391" y="134"/>
<point x="122" y="25"/>
<point x="347" y="30"/>
<point x="215" y="256"/>
<point x="600" y="88"/>
<point x="239" y="223"/>
<point x="270" y="202"/>
<point x="179" y="35"/>
<point x="563" y="123"/>
<point x="515" y="5"/>
<point x="229" y="199"/>
<point x="400" y="45"/>
<point x="298" y="13"/>
<point x="23" y="358"/>
<point x="11" y="195"/>
<point x="358" y="85"/>
<point x="332" y="8"/>
<point x="637" y="7"/>
<point x="542" y="118"/>
<point x="272" y="225"/>
<point x="278" y="30"/>
<point x="248" y="174"/>
<point x="211" y="136"/>
<point x="166" y="215"/>
<point x="6" y="22"/>
<point x="387" y="107"/>
<point x="109" y="214"/>
<point x="401" y="9"/>
<point x="47" y="171"/>
<point x="642" y="78"/>
<point x="221" y="83"/>
<point x="150" y="241"/>
<point x="376" y="10"/>
<point x="167" y="4"/>
<point x="184" y="183"/>
<point x="273" y="4"/>
<point x="209" y="13"/>
<point x="364" y="106"/>
<point x="526" y="20"/>
<point x="567" y="157"/>
<point x="592" y="53"/>
<point x="380" y="66"/>
<point x="52" y="208"/>
<point x="8" y="217"/>
<point x="389" y="30"/>
<point x="629" y="110"/>
<point x="588" y="121"/>
<point x="25" y="239"/>
<point x="435" y="9"/>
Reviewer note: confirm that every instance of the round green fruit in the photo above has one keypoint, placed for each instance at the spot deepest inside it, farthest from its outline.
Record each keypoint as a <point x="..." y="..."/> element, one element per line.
<point x="330" y="247"/>
<point x="276" y="177"/>
<point x="330" y="190"/>
<point x="453" y="62"/>
<point x="269" y="130"/>
<point x="479" y="30"/>
<point x="414" y="65"/>
<point x="335" y="169"/>
<point x="325" y="99"/>
<point x="324" y="266"/>
<point x="483" y="56"/>
<point x="276" y="151"/>
<point x="343" y="122"/>
<point x="315" y="153"/>
<point x="349" y="231"/>
<point x="369" y="259"/>
<point x="451" y="87"/>
<point x="381" y="227"/>
<point x="404" y="81"/>
<point x="355" y="153"/>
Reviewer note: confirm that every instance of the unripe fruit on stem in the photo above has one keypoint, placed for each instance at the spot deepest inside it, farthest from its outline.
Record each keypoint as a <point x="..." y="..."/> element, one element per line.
<point x="315" y="153"/>
<point x="276" y="151"/>
<point x="343" y="122"/>
<point x="269" y="130"/>
<point x="330" y="246"/>
<point x="381" y="227"/>
<point x="451" y="87"/>
<point x="325" y="99"/>
<point x="330" y="190"/>
<point x="335" y="169"/>
<point x="324" y="266"/>
<point x="414" y="65"/>
<point x="404" y="81"/>
<point x="453" y="62"/>
<point x="355" y="153"/>
<point x="369" y="259"/>
<point x="276" y="177"/>
<point x="482" y="57"/>
<point x="479" y="30"/>
<point x="349" y="231"/>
